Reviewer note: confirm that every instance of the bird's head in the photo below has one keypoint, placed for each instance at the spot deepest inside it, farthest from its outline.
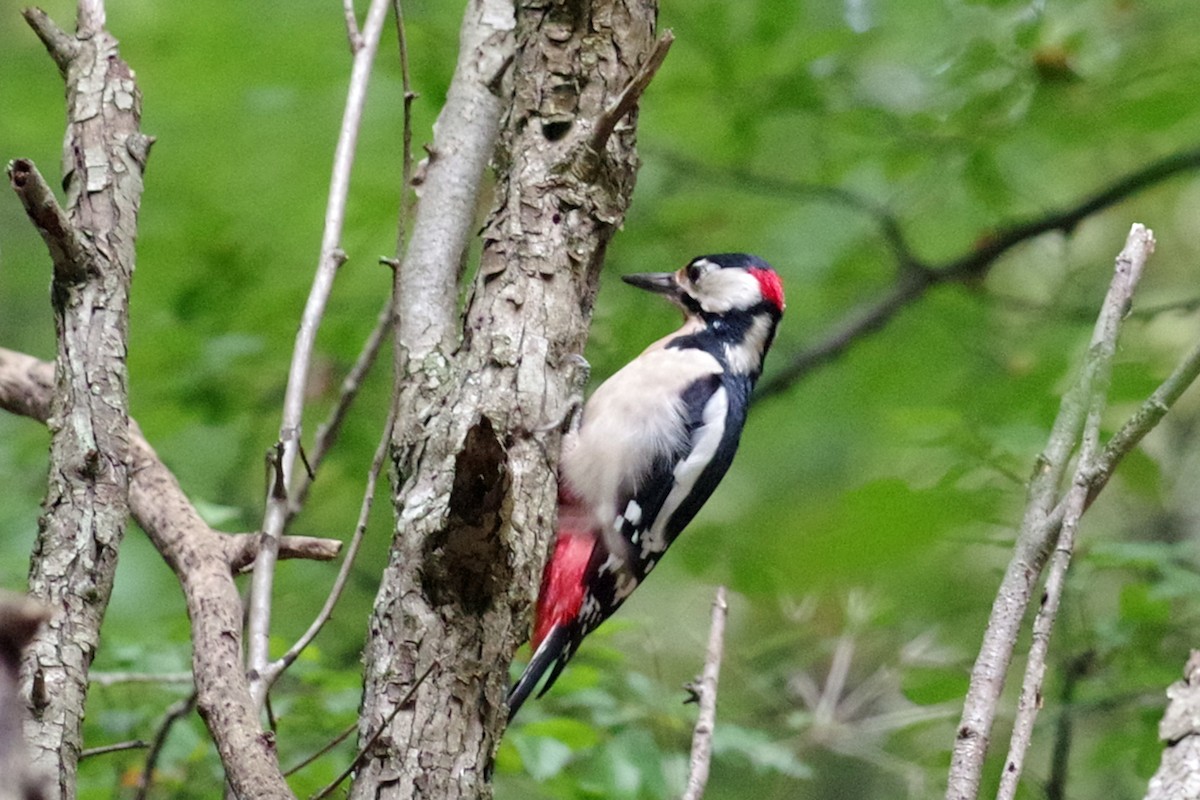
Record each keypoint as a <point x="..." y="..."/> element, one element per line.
<point x="732" y="303"/>
<point x="717" y="285"/>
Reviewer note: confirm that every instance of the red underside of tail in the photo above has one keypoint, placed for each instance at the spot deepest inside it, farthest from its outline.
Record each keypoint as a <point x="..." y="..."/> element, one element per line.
<point x="562" y="582"/>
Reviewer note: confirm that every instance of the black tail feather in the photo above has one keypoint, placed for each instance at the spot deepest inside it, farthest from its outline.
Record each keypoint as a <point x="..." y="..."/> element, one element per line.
<point x="548" y="652"/>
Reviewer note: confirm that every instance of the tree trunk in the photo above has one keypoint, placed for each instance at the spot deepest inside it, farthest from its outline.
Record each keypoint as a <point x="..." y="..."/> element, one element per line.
<point x="86" y="507"/>
<point x="476" y="444"/>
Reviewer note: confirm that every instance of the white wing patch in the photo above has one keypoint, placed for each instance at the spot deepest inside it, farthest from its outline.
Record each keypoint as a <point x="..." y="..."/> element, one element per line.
<point x="705" y="442"/>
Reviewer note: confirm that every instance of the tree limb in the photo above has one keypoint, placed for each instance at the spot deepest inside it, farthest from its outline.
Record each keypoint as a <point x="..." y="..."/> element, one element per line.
<point x="203" y="560"/>
<point x="464" y="137"/>
<point x="474" y="455"/>
<point x="73" y="259"/>
<point x="1044" y="517"/>
<point x="86" y="507"/>
<point x="1093" y="394"/>
<point x="332" y="256"/>
<point x="914" y="275"/>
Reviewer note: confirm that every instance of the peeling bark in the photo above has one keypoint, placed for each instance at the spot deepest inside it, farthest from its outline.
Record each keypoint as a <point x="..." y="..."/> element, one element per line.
<point x="86" y="506"/>
<point x="476" y="445"/>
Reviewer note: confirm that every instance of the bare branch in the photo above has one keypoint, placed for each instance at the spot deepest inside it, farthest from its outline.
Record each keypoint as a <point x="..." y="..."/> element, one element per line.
<point x="463" y="140"/>
<point x="332" y="743"/>
<point x="117" y="678"/>
<point x="1093" y="392"/>
<point x="72" y="257"/>
<point x="242" y="549"/>
<point x="406" y="168"/>
<point x="706" y="720"/>
<point x="61" y="45"/>
<point x="175" y="712"/>
<point x="353" y="35"/>
<point x="198" y="555"/>
<point x="87" y="497"/>
<point x="118" y="747"/>
<point x="1044" y="517"/>
<point x="276" y="668"/>
<point x="258" y="636"/>
<point x="914" y="275"/>
<point x="89" y="18"/>
<point x="328" y="431"/>
<point x="1148" y="415"/>
<point x="628" y="98"/>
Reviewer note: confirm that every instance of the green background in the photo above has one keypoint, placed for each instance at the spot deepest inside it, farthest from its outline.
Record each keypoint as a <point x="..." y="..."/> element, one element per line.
<point x="864" y="525"/>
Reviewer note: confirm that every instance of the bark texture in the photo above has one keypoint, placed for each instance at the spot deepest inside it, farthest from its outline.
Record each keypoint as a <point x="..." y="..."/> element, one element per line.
<point x="19" y="620"/>
<point x="1178" y="775"/>
<point x="476" y="445"/>
<point x="86" y="507"/>
<point x="205" y="561"/>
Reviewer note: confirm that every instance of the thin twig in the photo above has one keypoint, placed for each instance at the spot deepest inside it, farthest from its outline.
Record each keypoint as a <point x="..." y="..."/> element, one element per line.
<point x="1145" y="418"/>
<point x="341" y="737"/>
<point x="116" y="678"/>
<point x="72" y="257"/>
<point x="61" y="46"/>
<point x="116" y="747"/>
<point x="330" y="429"/>
<point x="1093" y="390"/>
<point x="175" y="712"/>
<point x="1076" y="670"/>
<point x="362" y="752"/>
<point x="629" y="96"/>
<point x="276" y="668"/>
<point x="915" y="276"/>
<point x="258" y="637"/>
<point x="353" y="35"/>
<point x="706" y="719"/>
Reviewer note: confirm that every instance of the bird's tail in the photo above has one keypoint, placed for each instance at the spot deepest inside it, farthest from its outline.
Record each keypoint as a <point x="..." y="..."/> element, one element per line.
<point x="548" y="652"/>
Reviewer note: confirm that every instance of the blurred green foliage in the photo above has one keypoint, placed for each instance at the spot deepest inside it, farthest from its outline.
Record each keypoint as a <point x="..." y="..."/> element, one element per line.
<point x="867" y="519"/>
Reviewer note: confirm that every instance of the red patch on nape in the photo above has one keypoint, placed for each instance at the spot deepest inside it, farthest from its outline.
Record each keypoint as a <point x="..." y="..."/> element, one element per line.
<point x="562" y="583"/>
<point x="770" y="286"/>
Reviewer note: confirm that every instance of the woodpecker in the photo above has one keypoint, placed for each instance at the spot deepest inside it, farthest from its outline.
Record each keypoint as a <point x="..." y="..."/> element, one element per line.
<point x="653" y="442"/>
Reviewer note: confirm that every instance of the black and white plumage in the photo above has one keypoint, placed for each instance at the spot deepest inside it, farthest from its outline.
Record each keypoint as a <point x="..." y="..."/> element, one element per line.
<point x="654" y="441"/>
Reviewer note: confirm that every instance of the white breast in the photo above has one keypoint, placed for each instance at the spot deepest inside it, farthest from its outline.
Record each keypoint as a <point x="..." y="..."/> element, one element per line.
<point x="632" y="418"/>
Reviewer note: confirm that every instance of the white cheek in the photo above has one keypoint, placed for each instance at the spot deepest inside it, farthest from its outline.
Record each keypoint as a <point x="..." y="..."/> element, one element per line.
<point x="725" y="289"/>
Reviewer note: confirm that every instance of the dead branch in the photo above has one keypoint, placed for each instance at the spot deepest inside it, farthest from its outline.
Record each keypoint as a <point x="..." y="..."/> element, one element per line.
<point x="914" y="275"/>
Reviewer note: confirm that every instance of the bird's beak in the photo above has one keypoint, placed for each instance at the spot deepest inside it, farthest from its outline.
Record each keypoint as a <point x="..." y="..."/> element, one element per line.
<point x="657" y="282"/>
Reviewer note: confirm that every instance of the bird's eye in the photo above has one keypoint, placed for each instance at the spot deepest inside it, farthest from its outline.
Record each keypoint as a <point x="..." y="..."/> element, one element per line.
<point x="694" y="272"/>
